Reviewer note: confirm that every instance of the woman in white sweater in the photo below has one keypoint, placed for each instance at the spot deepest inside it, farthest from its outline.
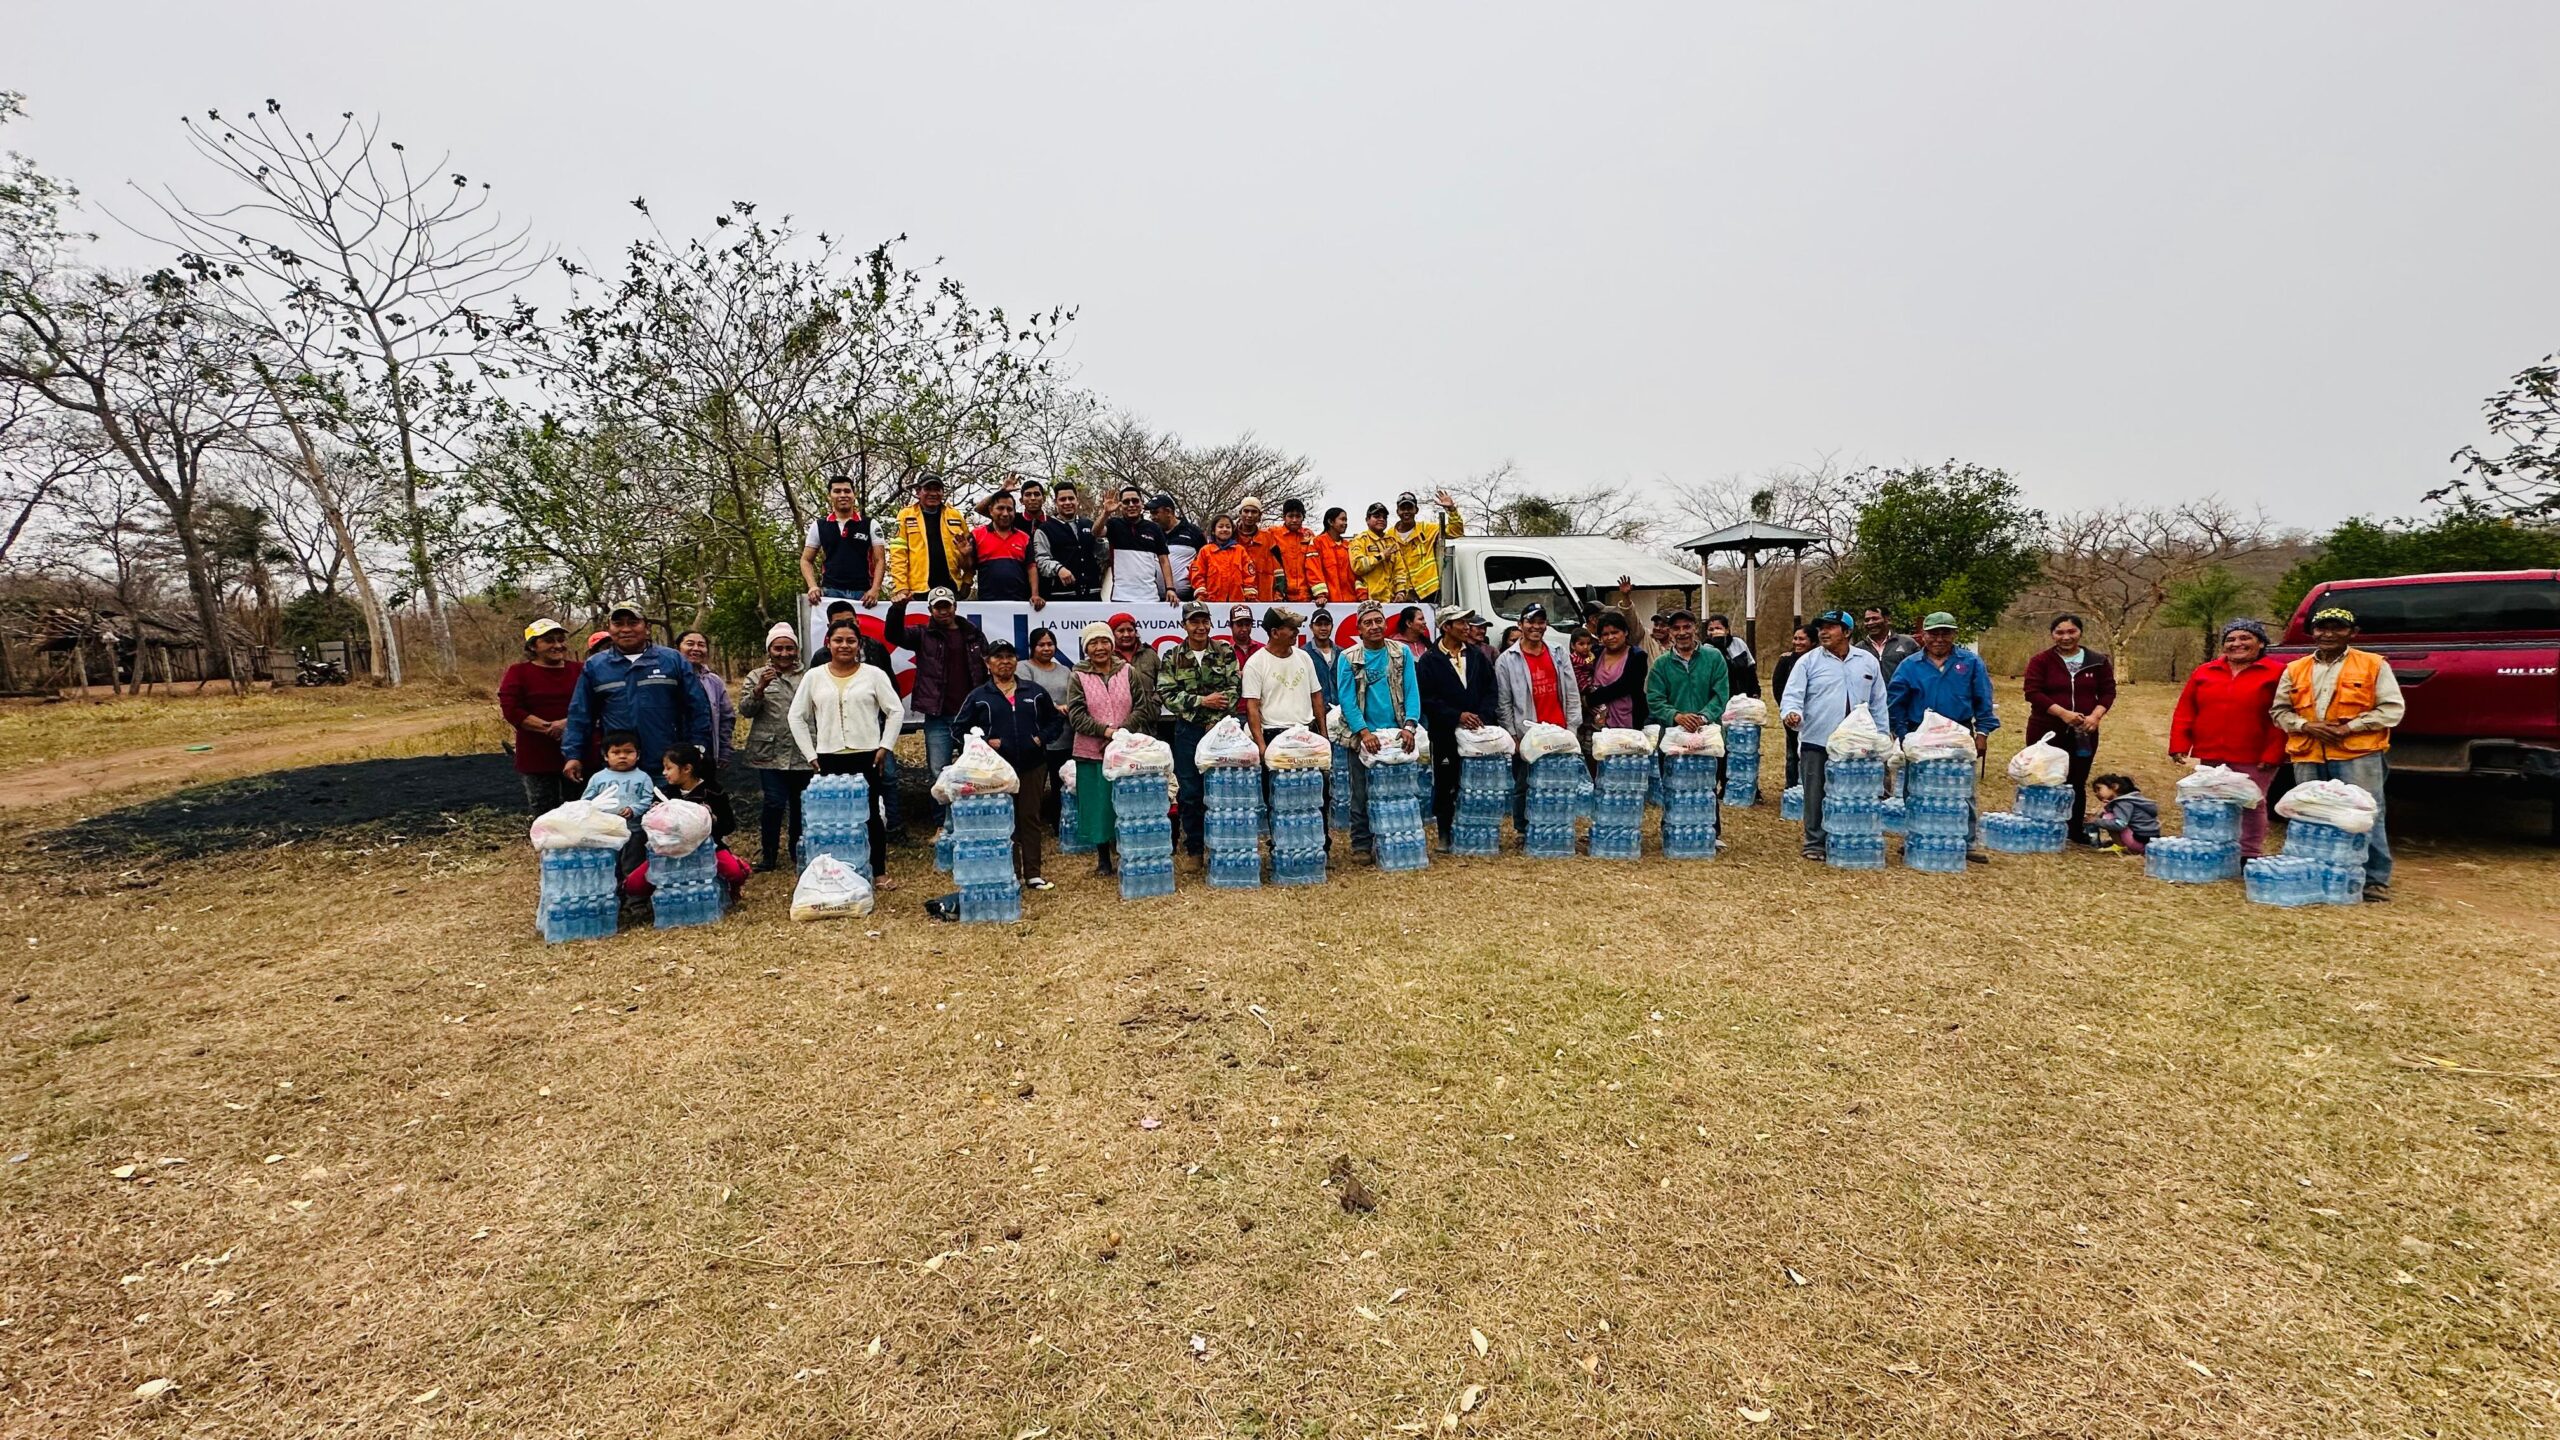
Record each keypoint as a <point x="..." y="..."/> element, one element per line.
<point x="845" y="717"/>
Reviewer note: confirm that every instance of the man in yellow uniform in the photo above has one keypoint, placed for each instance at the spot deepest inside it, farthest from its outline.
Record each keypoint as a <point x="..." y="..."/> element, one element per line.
<point x="1374" y="558"/>
<point x="1417" y="545"/>
<point x="2337" y="706"/>
<point x="929" y="545"/>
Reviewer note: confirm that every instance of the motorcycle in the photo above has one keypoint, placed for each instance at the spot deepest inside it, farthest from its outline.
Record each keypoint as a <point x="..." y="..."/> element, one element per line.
<point x="310" y="669"/>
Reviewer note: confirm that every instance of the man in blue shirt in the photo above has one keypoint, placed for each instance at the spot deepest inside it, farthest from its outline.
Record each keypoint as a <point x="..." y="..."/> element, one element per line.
<point x="1381" y="705"/>
<point x="649" y="690"/>
<point x="1825" y="685"/>
<point x="1950" y="679"/>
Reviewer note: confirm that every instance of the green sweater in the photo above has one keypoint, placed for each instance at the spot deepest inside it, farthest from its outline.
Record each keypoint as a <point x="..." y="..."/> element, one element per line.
<point x="1699" y="685"/>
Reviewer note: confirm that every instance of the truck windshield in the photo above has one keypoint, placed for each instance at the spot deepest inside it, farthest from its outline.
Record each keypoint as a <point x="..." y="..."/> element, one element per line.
<point x="1512" y="583"/>
<point x="2453" y="607"/>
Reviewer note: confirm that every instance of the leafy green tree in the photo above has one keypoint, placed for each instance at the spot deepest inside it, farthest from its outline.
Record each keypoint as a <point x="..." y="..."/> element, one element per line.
<point x="1952" y="537"/>
<point x="317" y="615"/>
<point x="2468" y="537"/>
<point x="2522" y="477"/>
<point x="2206" y="601"/>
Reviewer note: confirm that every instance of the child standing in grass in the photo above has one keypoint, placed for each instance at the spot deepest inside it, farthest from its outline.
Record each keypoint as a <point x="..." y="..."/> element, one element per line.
<point x="2127" y="820"/>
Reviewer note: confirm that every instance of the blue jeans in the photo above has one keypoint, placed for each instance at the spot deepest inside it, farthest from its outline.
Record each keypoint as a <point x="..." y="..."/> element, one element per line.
<point x="2370" y="773"/>
<point x="1186" y="782"/>
<point x="940" y="746"/>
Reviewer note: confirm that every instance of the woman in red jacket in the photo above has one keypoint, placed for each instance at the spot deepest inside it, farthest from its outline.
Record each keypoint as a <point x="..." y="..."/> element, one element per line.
<point x="2069" y="690"/>
<point x="2223" y="719"/>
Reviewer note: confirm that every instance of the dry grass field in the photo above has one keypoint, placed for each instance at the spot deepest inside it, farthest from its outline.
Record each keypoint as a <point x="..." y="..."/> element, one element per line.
<point x="325" y="1138"/>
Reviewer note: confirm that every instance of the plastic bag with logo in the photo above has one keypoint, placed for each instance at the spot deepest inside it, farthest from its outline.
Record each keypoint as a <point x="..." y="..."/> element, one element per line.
<point x="1542" y="740"/>
<point x="830" y="889"/>
<point x="1298" y="748"/>
<point x="1131" y="753"/>
<point x="1611" y="741"/>
<point x="1857" y="738"/>
<point x="1226" y="744"/>
<point x="676" y="827"/>
<point x="2221" y="783"/>
<point x="1746" y="710"/>
<point x="979" y="770"/>
<point x="2323" y="802"/>
<point x="2043" y="763"/>
<point x="1485" y="740"/>
<point x="1705" y="740"/>
<point x="1938" y="738"/>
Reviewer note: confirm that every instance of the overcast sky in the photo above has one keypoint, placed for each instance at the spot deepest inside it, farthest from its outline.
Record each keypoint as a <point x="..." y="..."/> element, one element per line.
<point x="2277" y="251"/>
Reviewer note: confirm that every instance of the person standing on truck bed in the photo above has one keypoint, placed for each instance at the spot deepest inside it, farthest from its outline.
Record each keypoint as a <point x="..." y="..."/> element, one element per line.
<point x="841" y="555"/>
<point x="1417" y="543"/>
<point x="2337" y="706"/>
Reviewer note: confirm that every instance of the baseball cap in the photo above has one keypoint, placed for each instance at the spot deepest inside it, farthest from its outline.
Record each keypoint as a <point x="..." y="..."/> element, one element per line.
<point x="928" y="478"/>
<point x="1239" y="612"/>
<point x="1938" y="620"/>
<point x="598" y="638"/>
<point x="631" y="608"/>
<point x="2338" y="614"/>
<point x="1161" y="502"/>
<point x="1675" y="614"/>
<point x="940" y="595"/>
<point x="1456" y="615"/>
<point x="1196" y="610"/>
<point x="1276" y="618"/>
<point x="1377" y="507"/>
<point x="544" y="626"/>
<point x="1408" y="498"/>
<point x="1534" y="611"/>
<point x="1834" y="617"/>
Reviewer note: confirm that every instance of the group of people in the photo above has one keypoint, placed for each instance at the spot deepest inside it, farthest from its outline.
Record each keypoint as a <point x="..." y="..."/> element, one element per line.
<point x="2328" y="713"/>
<point x="1033" y="543"/>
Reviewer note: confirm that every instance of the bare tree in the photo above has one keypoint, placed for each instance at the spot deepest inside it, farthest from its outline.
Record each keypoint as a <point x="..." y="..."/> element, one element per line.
<point x="2118" y="566"/>
<point x="395" y="269"/>
<point x="1502" y="501"/>
<point x="1820" y="498"/>
<point x="39" y="457"/>
<point x="1204" y="481"/>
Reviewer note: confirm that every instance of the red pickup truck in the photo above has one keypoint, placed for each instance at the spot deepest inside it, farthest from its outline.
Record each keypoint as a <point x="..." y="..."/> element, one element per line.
<point x="2478" y="656"/>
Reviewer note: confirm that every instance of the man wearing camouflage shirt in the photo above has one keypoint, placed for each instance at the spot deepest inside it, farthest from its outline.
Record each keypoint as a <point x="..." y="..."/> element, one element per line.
<point x="1199" y="684"/>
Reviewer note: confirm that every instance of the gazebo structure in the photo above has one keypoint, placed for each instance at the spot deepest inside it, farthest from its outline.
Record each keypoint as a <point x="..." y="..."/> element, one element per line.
<point x="1751" y="539"/>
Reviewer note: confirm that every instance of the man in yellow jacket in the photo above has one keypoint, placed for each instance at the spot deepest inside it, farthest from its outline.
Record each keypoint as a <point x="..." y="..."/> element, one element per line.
<point x="1417" y="544"/>
<point x="2337" y="706"/>
<point x="929" y="545"/>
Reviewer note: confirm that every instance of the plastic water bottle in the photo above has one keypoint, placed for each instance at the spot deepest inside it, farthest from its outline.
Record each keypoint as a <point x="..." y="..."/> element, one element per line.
<point x="2045" y="802"/>
<point x="685" y="889"/>
<point x="2213" y="820"/>
<point x="1742" y="764"/>
<point x="1790" y="804"/>
<point x="579" y="899"/>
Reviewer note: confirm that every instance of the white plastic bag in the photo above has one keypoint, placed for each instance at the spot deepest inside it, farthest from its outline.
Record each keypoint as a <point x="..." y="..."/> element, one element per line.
<point x="1298" y="748"/>
<point x="1612" y="741"/>
<point x="1857" y="738"/>
<point x="1337" y="729"/>
<point x="675" y="827"/>
<point x="1067" y="778"/>
<point x="1485" y="740"/>
<point x="1131" y="753"/>
<point x="580" y="825"/>
<point x="2219" y="783"/>
<point x="1226" y="744"/>
<point x="830" y="888"/>
<point x="1542" y="740"/>
<point x="2043" y="763"/>
<point x="2330" y="802"/>
<point x="1392" y="750"/>
<point x="1938" y="738"/>
<point x="981" y="770"/>
<point x="1746" y="710"/>
<point x="1705" y="740"/>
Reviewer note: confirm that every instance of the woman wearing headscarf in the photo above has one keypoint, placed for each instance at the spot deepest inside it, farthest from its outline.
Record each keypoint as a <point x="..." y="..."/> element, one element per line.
<point x="764" y="702"/>
<point x="1109" y="694"/>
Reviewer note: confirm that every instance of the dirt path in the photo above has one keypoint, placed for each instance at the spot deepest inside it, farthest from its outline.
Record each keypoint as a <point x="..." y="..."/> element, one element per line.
<point x="235" y="753"/>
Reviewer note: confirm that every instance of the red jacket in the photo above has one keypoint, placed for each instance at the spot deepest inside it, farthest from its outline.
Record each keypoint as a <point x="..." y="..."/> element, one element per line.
<point x="2222" y="717"/>
<point x="2050" y="683"/>
<point x="536" y="692"/>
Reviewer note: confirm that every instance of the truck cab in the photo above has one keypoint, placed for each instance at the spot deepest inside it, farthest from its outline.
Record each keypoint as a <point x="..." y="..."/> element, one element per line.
<point x="1501" y="575"/>
<point x="2477" y="654"/>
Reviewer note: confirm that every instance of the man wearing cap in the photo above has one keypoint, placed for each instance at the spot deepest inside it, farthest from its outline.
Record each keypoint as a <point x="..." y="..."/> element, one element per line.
<point x="1381" y="704"/>
<point x="1330" y="575"/>
<point x="1950" y="679"/>
<point x="1417" y="543"/>
<point x="1457" y="694"/>
<point x="1133" y="555"/>
<point x="1198" y="684"/>
<point x="1373" y="558"/>
<point x="1283" y="685"/>
<point x="771" y="750"/>
<point x="1182" y="540"/>
<point x="951" y="661"/>
<point x="533" y="697"/>
<point x="2337" y="706"/>
<point x="1240" y="633"/>
<point x="1002" y="551"/>
<point x="1822" y="689"/>
<point x="842" y="555"/>
<point x="930" y="548"/>
<point x="2225" y="716"/>
<point x="1062" y="546"/>
<point x="630" y="684"/>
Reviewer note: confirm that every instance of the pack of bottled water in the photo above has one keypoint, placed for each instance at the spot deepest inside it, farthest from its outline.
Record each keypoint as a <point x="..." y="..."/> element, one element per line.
<point x="1617" y="818"/>
<point x="2326" y="844"/>
<point x="1395" y="817"/>
<point x="2012" y="834"/>
<point x="1741" y="763"/>
<point x="2186" y="860"/>
<point x="2045" y="802"/>
<point x="1484" y="803"/>
<point x="1689" y="812"/>
<point x="1945" y="779"/>
<point x="1556" y="783"/>
<point x="1069" y="842"/>
<point x="1297" y="827"/>
<point x="1936" y="817"/>
<point x="835" y="819"/>
<point x="685" y="889"/>
<point x="1850" y="852"/>
<point x="2215" y="820"/>
<point x="1896" y="810"/>
<point x="1853" y="799"/>
<point x="1231" y="802"/>
<point x="2287" y="880"/>
<point x="1341" y="788"/>
<point x="1790" y="804"/>
<point x="1938" y="854"/>
<point x="580" y="900"/>
<point x="942" y="840"/>
<point x="1145" y="835"/>
<point x="981" y="832"/>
